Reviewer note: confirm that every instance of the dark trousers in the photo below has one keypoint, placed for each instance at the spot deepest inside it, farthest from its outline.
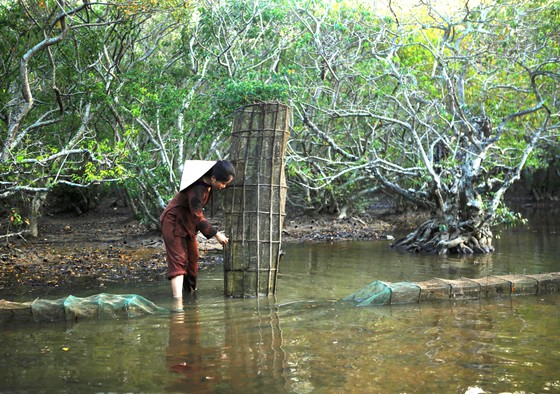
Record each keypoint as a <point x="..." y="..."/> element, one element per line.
<point x="181" y="256"/>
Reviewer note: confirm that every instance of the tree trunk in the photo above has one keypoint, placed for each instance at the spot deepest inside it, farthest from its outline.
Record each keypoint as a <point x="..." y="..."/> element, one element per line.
<point x="35" y="213"/>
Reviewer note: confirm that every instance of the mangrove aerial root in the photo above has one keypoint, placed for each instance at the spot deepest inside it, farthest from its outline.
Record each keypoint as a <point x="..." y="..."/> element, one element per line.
<point x="435" y="238"/>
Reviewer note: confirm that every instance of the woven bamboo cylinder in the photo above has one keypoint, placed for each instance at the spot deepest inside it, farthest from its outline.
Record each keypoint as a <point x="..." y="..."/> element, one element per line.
<point x="255" y="201"/>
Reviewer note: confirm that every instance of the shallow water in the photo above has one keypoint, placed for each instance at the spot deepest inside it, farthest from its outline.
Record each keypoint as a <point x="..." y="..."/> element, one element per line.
<point x="305" y="340"/>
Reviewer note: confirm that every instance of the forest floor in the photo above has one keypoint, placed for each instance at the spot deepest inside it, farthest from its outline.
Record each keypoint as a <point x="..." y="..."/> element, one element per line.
<point x="107" y="247"/>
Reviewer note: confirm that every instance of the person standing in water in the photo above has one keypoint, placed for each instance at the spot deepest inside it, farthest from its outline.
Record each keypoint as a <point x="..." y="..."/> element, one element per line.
<point x="183" y="217"/>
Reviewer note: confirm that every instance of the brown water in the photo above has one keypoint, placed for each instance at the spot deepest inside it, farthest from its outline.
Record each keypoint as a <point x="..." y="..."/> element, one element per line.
<point x="305" y="340"/>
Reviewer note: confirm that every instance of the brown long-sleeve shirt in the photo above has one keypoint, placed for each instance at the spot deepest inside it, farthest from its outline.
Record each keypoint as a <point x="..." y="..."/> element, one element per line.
<point x="184" y="213"/>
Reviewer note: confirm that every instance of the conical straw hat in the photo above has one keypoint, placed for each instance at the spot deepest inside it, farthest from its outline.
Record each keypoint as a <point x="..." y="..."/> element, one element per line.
<point x="193" y="170"/>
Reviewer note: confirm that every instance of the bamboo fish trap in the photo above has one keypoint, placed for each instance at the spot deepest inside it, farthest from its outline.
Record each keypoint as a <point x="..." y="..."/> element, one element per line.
<point x="255" y="202"/>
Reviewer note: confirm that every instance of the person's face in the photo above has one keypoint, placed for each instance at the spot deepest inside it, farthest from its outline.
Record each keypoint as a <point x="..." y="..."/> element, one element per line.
<point x="219" y="185"/>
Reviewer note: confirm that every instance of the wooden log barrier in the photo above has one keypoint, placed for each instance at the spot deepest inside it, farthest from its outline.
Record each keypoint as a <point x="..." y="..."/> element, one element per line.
<point x="386" y="293"/>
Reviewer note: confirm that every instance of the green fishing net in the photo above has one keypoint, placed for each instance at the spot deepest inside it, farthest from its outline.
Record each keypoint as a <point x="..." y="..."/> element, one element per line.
<point x="385" y="293"/>
<point x="98" y="306"/>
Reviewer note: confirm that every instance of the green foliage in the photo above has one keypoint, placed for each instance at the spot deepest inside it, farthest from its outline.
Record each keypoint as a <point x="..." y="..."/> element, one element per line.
<point x="239" y="93"/>
<point x="507" y="217"/>
<point x="16" y="219"/>
<point x="162" y="80"/>
<point x="12" y="219"/>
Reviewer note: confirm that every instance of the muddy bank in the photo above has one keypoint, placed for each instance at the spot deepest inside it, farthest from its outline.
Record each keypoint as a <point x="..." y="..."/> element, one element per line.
<point x="108" y="246"/>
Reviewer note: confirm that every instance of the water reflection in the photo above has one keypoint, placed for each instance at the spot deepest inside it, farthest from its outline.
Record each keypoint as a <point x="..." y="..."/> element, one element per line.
<point x="240" y="351"/>
<point x="260" y="338"/>
<point x="293" y="344"/>
<point x="351" y="265"/>
<point x="185" y="354"/>
<point x="416" y="348"/>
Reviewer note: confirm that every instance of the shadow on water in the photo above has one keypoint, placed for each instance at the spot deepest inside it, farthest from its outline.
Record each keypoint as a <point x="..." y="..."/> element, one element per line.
<point x="306" y="340"/>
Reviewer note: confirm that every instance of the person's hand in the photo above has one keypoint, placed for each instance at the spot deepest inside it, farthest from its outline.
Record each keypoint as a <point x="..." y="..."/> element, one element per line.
<point x="222" y="239"/>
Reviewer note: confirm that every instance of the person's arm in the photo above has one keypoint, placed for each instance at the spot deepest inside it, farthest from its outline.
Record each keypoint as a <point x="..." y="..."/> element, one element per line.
<point x="196" y="205"/>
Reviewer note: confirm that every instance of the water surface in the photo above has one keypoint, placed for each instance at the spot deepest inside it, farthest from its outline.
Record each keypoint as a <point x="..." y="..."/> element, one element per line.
<point x="305" y="340"/>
